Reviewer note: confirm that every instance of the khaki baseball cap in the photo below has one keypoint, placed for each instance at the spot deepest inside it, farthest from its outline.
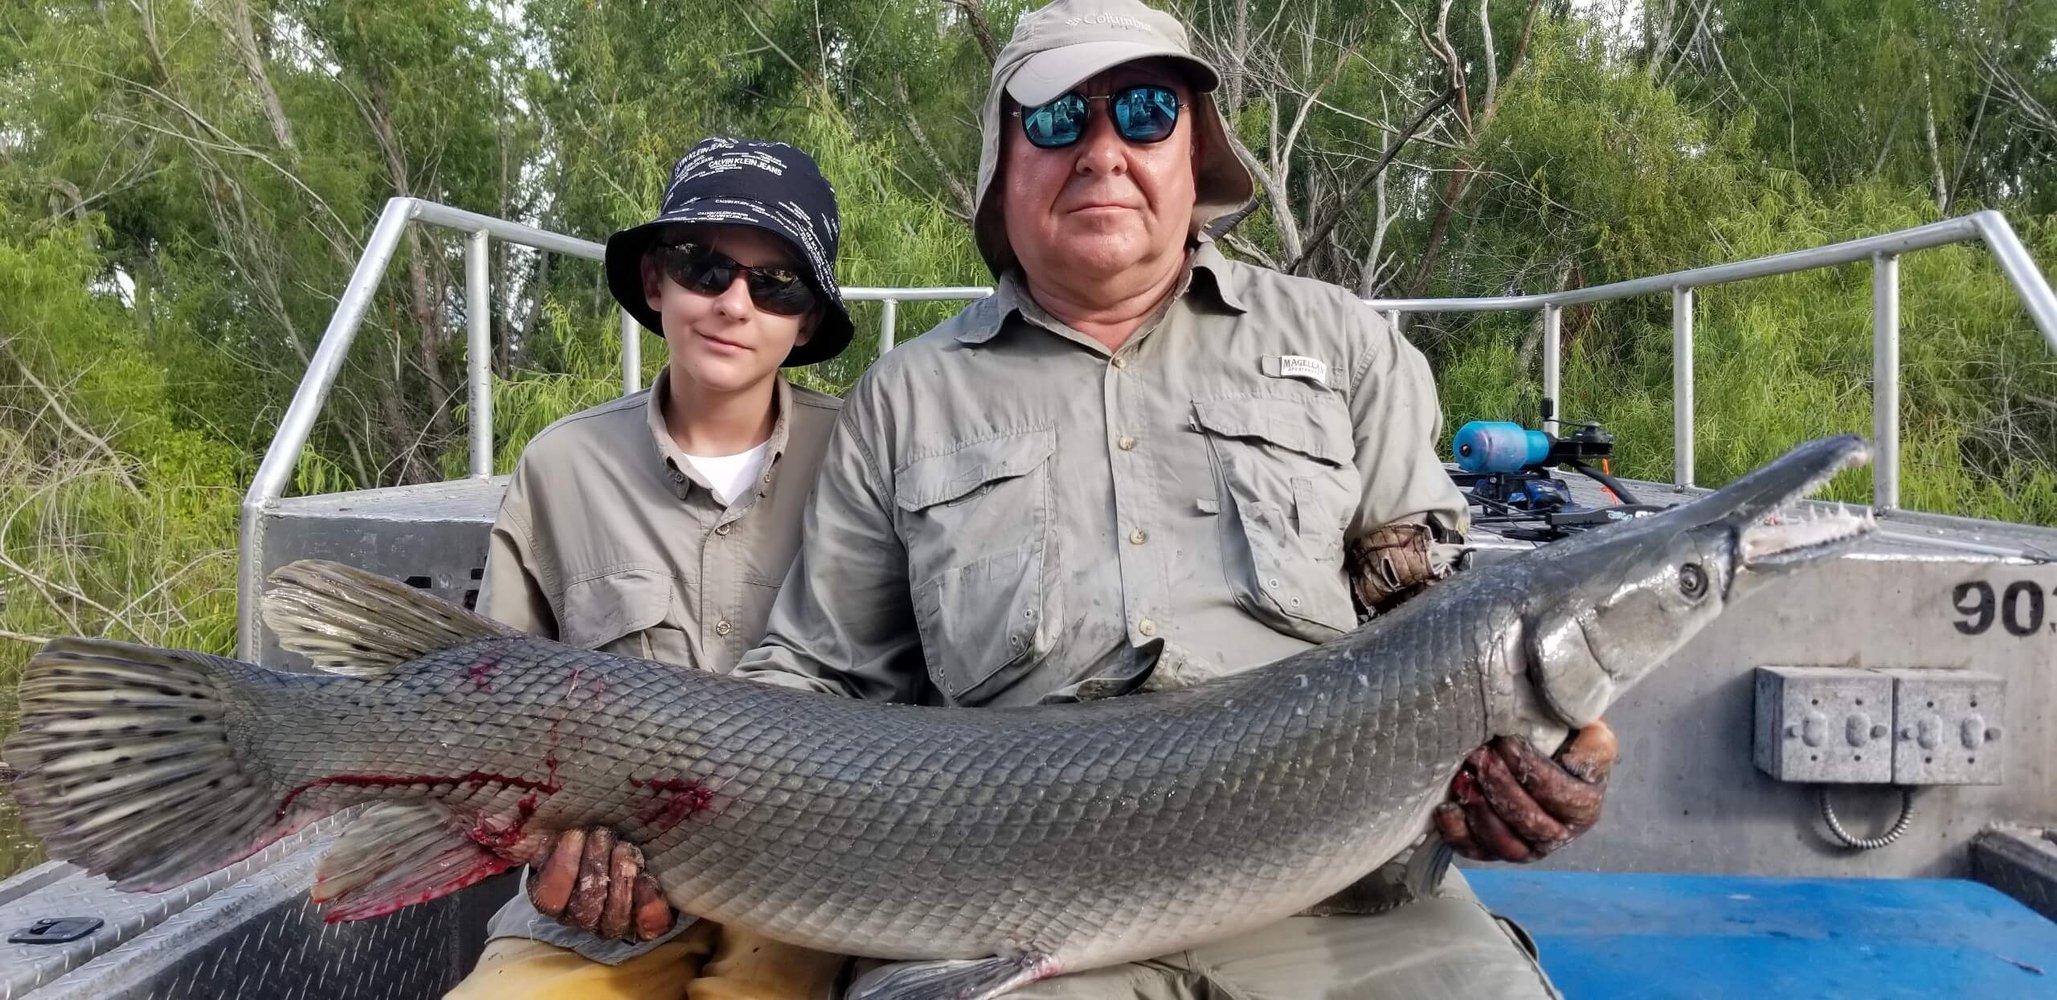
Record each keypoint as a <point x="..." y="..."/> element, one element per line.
<point x="1056" y="47"/>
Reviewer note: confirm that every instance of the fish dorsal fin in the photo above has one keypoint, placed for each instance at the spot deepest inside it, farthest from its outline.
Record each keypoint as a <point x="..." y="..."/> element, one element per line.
<point x="396" y="854"/>
<point x="361" y="624"/>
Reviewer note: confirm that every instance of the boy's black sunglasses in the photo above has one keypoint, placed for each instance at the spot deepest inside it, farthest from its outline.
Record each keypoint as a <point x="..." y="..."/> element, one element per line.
<point x="1142" y="114"/>
<point x="700" y="269"/>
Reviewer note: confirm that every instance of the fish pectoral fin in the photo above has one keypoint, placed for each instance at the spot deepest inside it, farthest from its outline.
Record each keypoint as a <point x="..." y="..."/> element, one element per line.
<point x="362" y="624"/>
<point x="1411" y="876"/>
<point x="397" y="854"/>
<point x="951" y="979"/>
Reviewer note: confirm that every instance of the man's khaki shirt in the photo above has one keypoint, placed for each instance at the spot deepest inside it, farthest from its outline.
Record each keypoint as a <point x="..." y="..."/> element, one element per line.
<point x="1008" y="513"/>
<point x="609" y="539"/>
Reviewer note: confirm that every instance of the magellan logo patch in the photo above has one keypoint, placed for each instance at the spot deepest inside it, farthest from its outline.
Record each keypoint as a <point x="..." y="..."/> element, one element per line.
<point x="1298" y="366"/>
<point x="1313" y="370"/>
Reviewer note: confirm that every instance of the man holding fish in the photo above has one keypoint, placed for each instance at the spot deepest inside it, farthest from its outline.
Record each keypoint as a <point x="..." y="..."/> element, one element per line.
<point x="1139" y="465"/>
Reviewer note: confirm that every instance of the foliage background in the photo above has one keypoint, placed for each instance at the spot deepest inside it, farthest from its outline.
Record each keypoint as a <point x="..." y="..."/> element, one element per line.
<point x="185" y="186"/>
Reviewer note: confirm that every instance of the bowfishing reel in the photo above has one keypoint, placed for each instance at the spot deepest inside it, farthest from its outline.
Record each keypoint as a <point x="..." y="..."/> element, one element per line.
<point x="1506" y="470"/>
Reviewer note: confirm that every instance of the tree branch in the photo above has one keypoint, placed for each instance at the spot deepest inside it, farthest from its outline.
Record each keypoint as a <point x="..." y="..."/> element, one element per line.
<point x="1248" y="249"/>
<point x="1460" y="179"/>
<point x="1275" y="195"/>
<point x="981" y="29"/>
<point x="1935" y="151"/>
<point x="1978" y="121"/>
<point x="222" y="142"/>
<point x="960" y="194"/>
<point x="2024" y="102"/>
<point x="790" y="61"/>
<point x="98" y="443"/>
<point x="1454" y="65"/>
<point x="1485" y="28"/>
<point x="1237" y="63"/>
<point x="245" y="37"/>
<point x="1321" y="229"/>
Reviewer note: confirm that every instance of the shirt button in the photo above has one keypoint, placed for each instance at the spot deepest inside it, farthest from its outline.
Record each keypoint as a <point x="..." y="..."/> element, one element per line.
<point x="722" y="529"/>
<point x="1138" y="536"/>
<point x="1120" y="362"/>
<point x="723" y="627"/>
<point x="1126" y="443"/>
<point x="1146" y="627"/>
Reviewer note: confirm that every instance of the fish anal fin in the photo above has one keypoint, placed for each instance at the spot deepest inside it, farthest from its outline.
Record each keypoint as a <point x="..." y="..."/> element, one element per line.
<point x="397" y="854"/>
<point x="952" y="979"/>
<point x="349" y="621"/>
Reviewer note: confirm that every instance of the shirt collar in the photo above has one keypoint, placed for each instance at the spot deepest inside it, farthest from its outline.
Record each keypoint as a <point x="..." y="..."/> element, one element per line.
<point x="1011" y="296"/>
<point x="673" y="460"/>
<point x="1227" y="281"/>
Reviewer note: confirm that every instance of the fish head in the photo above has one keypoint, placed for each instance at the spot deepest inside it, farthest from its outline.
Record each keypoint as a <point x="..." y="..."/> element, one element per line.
<point x="1614" y="604"/>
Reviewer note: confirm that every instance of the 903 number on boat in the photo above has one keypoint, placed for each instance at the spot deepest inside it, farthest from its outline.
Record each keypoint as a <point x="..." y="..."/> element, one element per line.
<point x="2018" y="608"/>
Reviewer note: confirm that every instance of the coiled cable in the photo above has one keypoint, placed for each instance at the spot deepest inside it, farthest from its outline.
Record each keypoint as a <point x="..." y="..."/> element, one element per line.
<point x="1899" y="827"/>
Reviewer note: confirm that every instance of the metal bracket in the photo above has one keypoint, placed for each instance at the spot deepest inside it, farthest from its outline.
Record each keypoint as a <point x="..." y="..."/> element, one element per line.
<point x="56" y="930"/>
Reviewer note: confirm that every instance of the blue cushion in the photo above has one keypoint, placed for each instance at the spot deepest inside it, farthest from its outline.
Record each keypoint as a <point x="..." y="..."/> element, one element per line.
<point x="1621" y="935"/>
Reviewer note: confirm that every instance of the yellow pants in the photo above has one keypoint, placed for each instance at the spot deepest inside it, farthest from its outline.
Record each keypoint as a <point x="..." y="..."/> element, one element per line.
<point x="706" y="962"/>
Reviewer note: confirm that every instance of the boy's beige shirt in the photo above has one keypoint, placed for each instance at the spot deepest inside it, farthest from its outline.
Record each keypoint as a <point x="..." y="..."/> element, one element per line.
<point x="608" y="539"/>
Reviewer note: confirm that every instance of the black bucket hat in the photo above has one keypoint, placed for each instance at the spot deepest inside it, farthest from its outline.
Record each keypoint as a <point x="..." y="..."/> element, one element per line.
<point x="745" y="182"/>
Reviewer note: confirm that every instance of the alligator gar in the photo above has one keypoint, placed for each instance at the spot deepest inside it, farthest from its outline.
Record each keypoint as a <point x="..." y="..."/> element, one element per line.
<point x="984" y="848"/>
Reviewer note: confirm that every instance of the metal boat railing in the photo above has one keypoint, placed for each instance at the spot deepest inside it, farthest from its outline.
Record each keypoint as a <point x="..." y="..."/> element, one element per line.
<point x="1884" y="253"/>
<point x="283" y="455"/>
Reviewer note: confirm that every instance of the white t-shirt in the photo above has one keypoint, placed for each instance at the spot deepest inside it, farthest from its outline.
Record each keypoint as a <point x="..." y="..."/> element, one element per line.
<point x="730" y="475"/>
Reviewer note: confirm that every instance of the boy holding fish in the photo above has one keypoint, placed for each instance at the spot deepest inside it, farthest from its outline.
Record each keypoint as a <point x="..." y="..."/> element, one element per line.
<point x="659" y="525"/>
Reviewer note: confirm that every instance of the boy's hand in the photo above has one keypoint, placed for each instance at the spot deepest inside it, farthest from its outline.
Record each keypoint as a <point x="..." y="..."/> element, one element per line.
<point x="596" y="883"/>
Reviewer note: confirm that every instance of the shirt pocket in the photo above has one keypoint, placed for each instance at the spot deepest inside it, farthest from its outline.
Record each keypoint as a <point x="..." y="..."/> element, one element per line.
<point x="626" y="612"/>
<point x="1287" y="488"/>
<point x="975" y="521"/>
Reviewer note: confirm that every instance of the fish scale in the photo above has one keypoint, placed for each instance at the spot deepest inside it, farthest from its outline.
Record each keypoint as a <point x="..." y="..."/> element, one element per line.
<point x="989" y="847"/>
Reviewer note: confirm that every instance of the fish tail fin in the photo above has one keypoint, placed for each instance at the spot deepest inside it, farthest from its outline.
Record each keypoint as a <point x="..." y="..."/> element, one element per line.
<point x="349" y="621"/>
<point x="952" y="979"/>
<point x="129" y="766"/>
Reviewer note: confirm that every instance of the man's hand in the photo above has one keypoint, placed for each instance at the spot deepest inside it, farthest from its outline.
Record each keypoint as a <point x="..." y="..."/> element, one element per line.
<point x="597" y="884"/>
<point x="1393" y="563"/>
<point x="1511" y="803"/>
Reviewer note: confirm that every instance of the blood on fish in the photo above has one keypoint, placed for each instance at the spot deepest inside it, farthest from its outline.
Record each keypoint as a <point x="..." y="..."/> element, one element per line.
<point x="571" y="690"/>
<point x="1466" y="787"/>
<point x="550" y="750"/>
<point x="481" y="675"/>
<point x="672" y="800"/>
<point x="502" y="837"/>
<point x="485" y="867"/>
<point x="404" y="780"/>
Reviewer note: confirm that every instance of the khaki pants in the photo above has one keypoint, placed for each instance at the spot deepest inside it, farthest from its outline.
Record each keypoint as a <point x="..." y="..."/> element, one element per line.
<point x="1446" y="946"/>
<point x="706" y="962"/>
<point x="529" y="956"/>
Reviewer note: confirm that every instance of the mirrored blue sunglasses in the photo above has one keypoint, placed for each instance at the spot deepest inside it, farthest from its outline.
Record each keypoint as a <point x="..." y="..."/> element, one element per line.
<point x="1142" y="114"/>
